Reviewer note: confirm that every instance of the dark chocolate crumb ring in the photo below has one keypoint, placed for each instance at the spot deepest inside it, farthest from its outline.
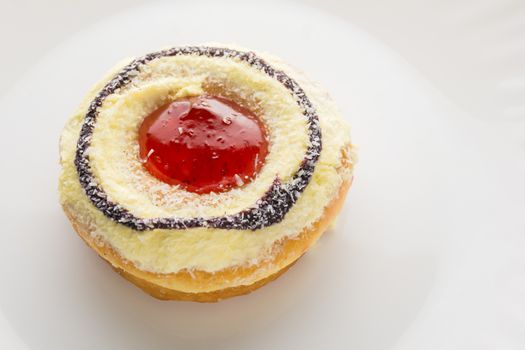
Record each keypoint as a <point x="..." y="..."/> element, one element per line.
<point x="268" y="210"/>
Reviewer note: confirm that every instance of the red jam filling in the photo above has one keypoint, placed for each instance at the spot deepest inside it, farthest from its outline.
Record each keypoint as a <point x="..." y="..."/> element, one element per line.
<point x="203" y="144"/>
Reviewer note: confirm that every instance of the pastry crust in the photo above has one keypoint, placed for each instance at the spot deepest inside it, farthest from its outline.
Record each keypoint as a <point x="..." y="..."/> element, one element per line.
<point x="288" y="252"/>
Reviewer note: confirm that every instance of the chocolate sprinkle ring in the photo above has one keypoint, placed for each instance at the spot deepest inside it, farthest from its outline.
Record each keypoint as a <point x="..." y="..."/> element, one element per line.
<point x="268" y="210"/>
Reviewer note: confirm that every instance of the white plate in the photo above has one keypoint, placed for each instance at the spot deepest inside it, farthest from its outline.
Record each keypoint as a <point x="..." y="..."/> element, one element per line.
<point x="427" y="254"/>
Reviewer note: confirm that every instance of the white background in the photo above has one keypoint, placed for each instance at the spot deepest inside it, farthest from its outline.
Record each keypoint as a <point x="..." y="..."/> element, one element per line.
<point x="428" y="253"/>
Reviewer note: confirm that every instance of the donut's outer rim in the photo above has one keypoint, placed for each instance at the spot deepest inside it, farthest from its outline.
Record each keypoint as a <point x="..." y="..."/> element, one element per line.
<point x="202" y="286"/>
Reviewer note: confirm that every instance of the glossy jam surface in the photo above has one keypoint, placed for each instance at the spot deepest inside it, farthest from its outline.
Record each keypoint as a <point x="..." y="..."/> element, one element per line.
<point x="204" y="144"/>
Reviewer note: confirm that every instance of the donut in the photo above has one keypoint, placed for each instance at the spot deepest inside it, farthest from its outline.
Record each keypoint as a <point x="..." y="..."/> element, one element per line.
<point x="201" y="173"/>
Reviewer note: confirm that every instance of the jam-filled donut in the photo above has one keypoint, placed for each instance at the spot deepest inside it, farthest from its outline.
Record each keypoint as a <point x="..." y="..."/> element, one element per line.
<point x="201" y="173"/>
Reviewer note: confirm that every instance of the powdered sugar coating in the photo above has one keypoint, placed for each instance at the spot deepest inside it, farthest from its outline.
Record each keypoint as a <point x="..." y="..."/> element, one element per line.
<point x="268" y="210"/>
